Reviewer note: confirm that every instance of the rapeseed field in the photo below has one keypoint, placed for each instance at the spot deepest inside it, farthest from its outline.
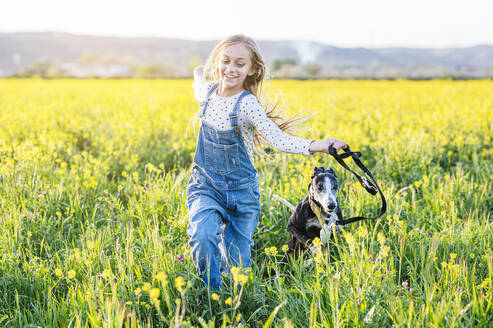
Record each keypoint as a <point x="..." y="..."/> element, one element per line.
<point x="93" y="222"/>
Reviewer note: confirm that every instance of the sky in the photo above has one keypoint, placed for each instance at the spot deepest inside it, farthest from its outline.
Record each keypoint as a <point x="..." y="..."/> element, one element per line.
<point x="343" y="23"/>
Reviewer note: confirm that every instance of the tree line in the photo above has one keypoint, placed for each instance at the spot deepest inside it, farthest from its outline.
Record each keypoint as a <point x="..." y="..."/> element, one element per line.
<point x="94" y="65"/>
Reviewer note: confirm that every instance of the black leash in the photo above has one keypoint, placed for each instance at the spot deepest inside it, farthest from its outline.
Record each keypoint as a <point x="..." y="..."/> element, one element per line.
<point x="370" y="187"/>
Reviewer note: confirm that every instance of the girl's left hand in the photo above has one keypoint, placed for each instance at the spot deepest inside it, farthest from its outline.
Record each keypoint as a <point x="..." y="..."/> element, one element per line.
<point x="323" y="145"/>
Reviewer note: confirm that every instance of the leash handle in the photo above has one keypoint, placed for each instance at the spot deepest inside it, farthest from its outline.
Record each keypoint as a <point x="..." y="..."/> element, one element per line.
<point x="369" y="187"/>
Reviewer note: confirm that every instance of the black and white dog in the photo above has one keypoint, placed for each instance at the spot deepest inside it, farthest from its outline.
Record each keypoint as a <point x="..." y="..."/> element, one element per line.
<point x="316" y="215"/>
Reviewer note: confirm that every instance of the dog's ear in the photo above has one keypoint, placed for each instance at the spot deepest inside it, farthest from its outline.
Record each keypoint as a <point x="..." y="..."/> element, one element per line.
<point x="331" y="171"/>
<point x="317" y="170"/>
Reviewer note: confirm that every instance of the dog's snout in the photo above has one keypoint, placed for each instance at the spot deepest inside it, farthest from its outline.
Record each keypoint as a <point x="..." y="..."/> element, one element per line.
<point x="332" y="206"/>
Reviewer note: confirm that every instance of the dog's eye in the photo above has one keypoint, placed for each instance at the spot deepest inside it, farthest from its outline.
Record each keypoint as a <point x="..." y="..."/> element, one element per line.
<point x="335" y="187"/>
<point x="320" y="187"/>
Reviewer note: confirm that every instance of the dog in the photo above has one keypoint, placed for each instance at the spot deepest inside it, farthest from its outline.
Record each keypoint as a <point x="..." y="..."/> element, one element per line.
<point x="316" y="215"/>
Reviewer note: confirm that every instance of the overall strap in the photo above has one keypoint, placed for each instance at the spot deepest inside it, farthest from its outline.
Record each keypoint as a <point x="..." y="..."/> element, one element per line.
<point x="233" y="116"/>
<point x="371" y="188"/>
<point x="203" y="104"/>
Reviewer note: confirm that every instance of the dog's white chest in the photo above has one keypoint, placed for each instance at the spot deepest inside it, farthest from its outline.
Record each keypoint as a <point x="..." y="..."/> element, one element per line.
<point x="313" y="223"/>
<point x="333" y="218"/>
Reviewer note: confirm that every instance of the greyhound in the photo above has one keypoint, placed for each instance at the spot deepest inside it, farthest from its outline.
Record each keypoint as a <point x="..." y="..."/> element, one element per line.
<point x="316" y="215"/>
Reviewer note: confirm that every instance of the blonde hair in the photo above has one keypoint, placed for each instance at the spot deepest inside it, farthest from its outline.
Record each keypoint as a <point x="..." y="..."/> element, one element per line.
<point x="254" y="84"/>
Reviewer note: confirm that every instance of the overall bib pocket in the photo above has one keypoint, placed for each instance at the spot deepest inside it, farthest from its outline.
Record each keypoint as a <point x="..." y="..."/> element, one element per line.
<point x="222" y="159"/>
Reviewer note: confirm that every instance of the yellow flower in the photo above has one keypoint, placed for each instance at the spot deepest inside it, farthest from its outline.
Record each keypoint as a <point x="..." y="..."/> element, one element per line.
<point x="154" y="293"/>
<point x="137" y="291"/>
<point x="317" y="242"/>
<point x="107" y="273"/>
<point x="285" y="248"/>
<point x="215" y="297"/>
<point x="381" y="238"/>
<point x="58" y="272"/>
<point x="452" y="256"/>
<point x="228" y="301"/>
<point x="238" y="317"/>
<point x="484" y="284"/>
<point x="362" y="232"/>
<point x="235" y="271"/>
<point x="179" y="283"/>
<point x="90" y="245"/>
<point x="29" y="234"/>
<point x="162" y="277"/>
<point x="384" y="251"/>
<point x="241" y="279"/>
<point x="271" y="250"/>
<point x="318" y="257"/>
<point x="146" y="287"/>
<point x="350" y="240"/>
<point x="71" y="274"/>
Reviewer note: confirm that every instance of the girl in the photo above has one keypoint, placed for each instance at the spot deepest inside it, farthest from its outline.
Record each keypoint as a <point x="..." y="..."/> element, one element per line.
<point x="223" y="190"/>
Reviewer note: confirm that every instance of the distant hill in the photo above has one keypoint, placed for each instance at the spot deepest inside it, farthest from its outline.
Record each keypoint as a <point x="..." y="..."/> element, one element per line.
<point x="64" y="51"/>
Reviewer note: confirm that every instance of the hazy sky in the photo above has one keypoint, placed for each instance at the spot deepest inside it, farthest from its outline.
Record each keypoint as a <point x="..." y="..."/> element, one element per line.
<point x="344" y="23"/>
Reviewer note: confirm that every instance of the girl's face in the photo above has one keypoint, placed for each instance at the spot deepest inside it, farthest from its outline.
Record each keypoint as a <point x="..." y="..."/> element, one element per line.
<point x="234" y="66"/>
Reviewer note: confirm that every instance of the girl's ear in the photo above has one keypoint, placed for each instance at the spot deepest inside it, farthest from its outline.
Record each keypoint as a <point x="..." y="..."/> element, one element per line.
<point x="251" y="72"/>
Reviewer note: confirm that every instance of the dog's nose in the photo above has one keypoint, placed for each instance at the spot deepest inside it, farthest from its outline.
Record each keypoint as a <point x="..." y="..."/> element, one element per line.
<point x="332" y="206"/>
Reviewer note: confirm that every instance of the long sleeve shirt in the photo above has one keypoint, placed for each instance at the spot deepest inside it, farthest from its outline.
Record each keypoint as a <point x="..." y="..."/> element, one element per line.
<point x="251" y="117"/>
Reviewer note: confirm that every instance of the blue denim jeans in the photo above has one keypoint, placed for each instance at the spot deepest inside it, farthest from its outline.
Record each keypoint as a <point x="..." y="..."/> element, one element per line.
<point x="214" y="246"/>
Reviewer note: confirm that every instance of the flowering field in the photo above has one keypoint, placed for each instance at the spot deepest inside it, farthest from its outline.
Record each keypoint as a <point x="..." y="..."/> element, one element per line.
<point x="93" y="223"/>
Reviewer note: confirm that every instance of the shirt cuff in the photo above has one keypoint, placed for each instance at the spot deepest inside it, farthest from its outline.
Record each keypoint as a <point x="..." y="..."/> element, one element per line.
<point x="308" y="147"/>
<point x="198" y="77"/>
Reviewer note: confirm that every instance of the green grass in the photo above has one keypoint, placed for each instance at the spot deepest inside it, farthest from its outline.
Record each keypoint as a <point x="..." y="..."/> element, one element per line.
<point x="92" y="190"/>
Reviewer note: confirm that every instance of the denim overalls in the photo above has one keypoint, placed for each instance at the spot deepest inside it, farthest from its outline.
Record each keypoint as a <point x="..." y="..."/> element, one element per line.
<point x="223" y="188"/>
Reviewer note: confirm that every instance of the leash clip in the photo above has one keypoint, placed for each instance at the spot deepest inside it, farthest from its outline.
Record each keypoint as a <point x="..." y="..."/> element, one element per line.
<point x="368" y="186"/>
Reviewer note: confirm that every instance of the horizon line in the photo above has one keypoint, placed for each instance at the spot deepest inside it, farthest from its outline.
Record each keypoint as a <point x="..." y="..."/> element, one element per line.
<point x="256" y="39"/>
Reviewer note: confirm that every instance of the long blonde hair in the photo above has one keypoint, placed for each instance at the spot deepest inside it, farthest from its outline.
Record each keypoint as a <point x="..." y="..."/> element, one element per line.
<point x="254" y="83"/>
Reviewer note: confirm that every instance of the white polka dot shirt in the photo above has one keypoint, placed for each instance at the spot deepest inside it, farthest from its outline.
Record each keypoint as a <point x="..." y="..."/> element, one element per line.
<point x="251" y="117"/>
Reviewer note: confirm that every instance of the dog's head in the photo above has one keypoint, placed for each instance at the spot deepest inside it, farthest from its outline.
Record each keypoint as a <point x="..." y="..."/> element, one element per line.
<point x="323" y="189"/>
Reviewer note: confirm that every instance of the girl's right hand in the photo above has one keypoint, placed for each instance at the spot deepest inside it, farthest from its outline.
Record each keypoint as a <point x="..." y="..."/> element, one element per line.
<point x="323" y="145"/>
<point x="199" y="70"/>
